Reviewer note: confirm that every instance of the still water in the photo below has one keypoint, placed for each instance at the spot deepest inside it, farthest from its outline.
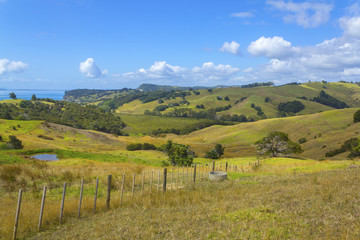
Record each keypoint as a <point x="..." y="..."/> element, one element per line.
<point x="45" y="157"/>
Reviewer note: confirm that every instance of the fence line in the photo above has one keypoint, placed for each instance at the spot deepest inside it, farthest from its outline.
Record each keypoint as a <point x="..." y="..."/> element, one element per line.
<point x="197" y="173"/>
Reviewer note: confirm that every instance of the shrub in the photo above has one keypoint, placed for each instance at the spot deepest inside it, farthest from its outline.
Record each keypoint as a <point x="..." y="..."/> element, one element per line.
<point x="139" y="146"/>
<point x="302" y="140"/>
<point x="14" y="143"/>
<point x="357" y="116"/>
<point x="215" y="153"/>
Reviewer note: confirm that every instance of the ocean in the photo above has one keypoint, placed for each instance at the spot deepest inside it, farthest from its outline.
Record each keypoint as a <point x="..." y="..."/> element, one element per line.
<point x="27" y="93"/>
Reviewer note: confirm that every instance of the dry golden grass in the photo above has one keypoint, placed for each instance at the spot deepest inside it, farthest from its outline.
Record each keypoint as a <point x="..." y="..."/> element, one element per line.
<point x="306" y="206"/>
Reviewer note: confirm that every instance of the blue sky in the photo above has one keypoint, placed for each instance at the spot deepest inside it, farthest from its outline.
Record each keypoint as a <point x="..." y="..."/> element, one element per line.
<point x="67" y="44"/>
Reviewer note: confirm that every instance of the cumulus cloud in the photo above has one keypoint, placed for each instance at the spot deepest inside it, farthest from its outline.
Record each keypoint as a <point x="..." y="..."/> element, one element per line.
<point x="242" y="14"/>
<point x="351" y="26"/>
<point x="305" y="14"/>
<point x="7" y="66"/>
<point x="275" y="47"/>
<point x="162" y="72"/>
<point x="231" y="47"/>
<point x="335" y="59"/>
<point x="90" y="69"/>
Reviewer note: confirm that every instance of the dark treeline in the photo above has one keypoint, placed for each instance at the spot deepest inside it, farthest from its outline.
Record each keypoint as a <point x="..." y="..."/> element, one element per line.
<point x="78" y="93"/>
<point x="191" y="128"/>
<point x="328" y="100"/>
<point x="260" y="84"/>
<point x="65" y="113"/>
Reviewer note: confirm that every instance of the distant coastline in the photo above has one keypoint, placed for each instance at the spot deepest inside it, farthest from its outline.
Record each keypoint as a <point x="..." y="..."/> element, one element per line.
<point x="27" y="93"/>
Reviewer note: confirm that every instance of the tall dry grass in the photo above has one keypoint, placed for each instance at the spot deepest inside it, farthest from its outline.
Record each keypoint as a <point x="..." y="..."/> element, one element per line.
<point x="323" y="205"/>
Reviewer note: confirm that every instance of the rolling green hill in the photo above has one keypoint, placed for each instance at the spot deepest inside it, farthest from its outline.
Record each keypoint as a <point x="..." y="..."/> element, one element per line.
<point x="323" y="132"/>
<point x="241" y="100"/>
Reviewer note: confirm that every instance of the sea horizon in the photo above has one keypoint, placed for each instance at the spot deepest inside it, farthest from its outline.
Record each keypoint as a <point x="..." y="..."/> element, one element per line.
<point x="27" y="93"/>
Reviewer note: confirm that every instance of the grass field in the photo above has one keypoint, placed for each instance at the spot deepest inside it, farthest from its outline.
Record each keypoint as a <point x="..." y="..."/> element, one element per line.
<point x="318" y="205"/>
<point x="145" y="124"/>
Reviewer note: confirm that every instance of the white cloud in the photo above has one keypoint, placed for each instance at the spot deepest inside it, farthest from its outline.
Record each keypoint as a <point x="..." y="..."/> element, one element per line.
<point x="275" y="47"/>
<point x="163" y="73"/>
<point x="231" y="47"/>
<point x="351" y="26"/>
<point x="305" y="14"/>
<point x="242" y="14"/>
<point x="333" y="60"/>
<point x="7" y="66"/>
<point x="90" y="69"/>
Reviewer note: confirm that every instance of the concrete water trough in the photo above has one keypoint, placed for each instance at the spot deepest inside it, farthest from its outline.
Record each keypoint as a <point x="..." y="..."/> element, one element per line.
<point x="217" y="176"/>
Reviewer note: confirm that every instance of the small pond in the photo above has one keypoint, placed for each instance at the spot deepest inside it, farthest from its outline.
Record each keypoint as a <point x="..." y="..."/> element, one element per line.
<point x="46" y="157"/>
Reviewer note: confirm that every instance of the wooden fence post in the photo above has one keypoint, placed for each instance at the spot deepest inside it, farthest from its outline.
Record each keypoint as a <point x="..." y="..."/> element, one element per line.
<point x="226" y="166"/>
<point x="42" y="207"/>
<point x="108" y="192"/>
<point x="62" y="203"/>
<point x="122" y="189"/>
<point x="194" y="172"/>
<point x="164" y="183"/>
<point x="158" y="184"/>
<point x="133" y="188"/>
<point x="213" y="167"/>
<point x="17" y="214"/>
<point x="177" y="181"/>
<point x="96" y="192"/>
<point x="151" y="180"/>
<point x="172" y="178"/>
<point x="142" y="183"/>
<point x="81" y="194"/>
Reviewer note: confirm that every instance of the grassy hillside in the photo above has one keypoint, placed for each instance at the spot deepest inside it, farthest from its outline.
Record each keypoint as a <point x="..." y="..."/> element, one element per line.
<point x="346" y="92"/>
<point x="140" y="124"/>
<point x="324" y="132"/>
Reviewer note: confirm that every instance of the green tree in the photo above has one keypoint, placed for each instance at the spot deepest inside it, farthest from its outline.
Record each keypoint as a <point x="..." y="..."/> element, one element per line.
<point x="12" y="95"/>
<point x="178" y="154"/>
<point x="215" y="153"/>
<point x="277" y="142"/>
<point x="210" y="90"/>
<point x="357" y="116"/>
<point x="14" y="143"/>
<point x="33" y="97"/>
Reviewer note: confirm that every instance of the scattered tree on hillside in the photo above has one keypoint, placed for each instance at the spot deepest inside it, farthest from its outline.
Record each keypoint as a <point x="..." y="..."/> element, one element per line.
<point x="357" y="116"/>
<point x="291" y="107"/>
<point x="352" y="145"/>
<point x="33" y="97"/>
<point x="227" y="98"/>
<point x="178" y="154"/>
<point x="215" y="153"/>
<point x="14" y="143"/>
<point x="210" y="90"/>
<point x="12" y="95"/>
<point x="277" y="142"/>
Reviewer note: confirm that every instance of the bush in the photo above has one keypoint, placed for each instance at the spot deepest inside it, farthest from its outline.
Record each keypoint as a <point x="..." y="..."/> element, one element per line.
<point x="139" y="146"/>
<point x="14" y="143"/>
<point x="179" y="154"/>
<point x="302" y="140"/>
<point x="291" y="107"/>
<point x="215" y="153"/>
<point x="357" y="116"/>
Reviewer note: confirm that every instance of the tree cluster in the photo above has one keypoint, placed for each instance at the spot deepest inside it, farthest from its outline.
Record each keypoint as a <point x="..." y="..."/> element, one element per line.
<point x="291" y="107"/>
<point x="215" y="153"/>
<point x="328" y="100"/>
<point x="351" y="145"/>
<point x="65" y="113"/>
<point x="140" y="146"/>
